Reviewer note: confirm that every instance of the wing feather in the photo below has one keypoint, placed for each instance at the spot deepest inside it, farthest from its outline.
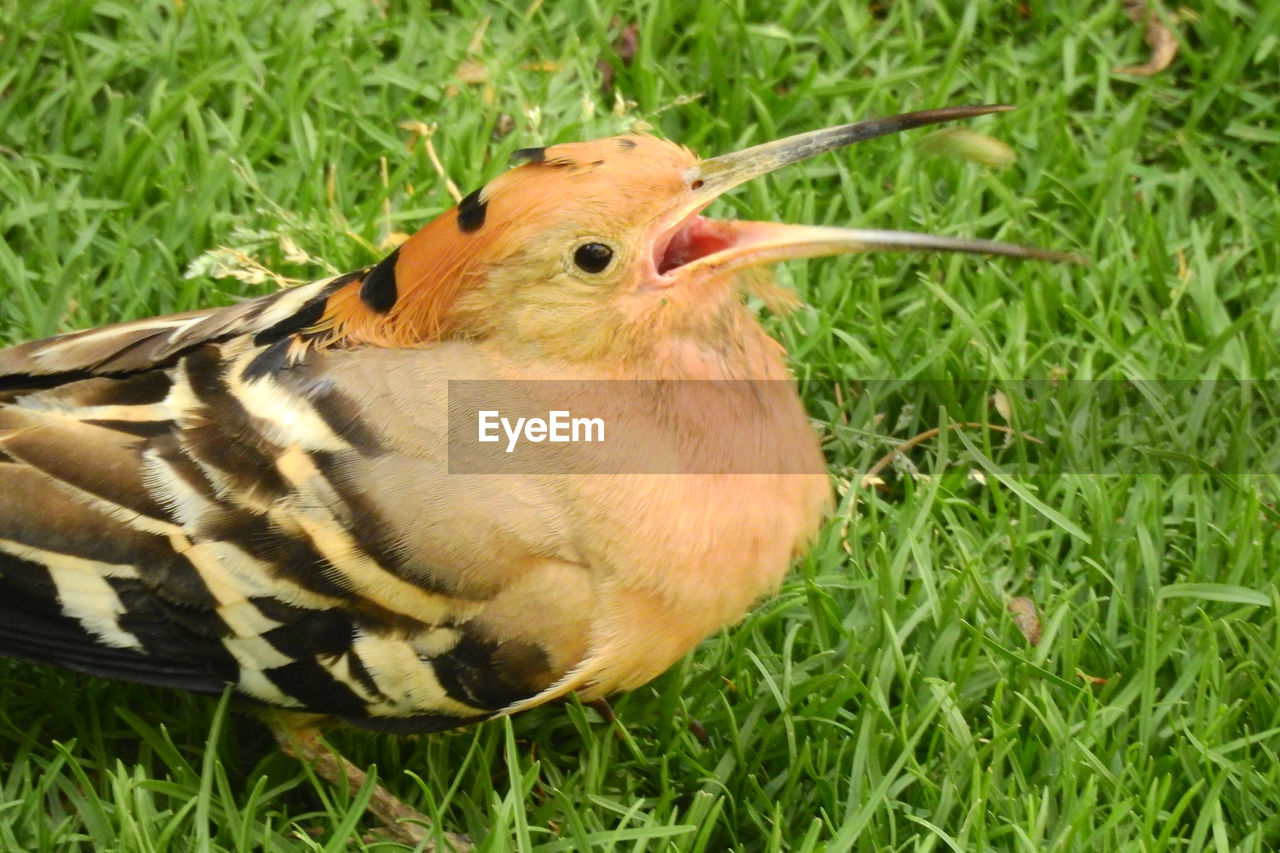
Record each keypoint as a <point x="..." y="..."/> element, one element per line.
<point x="139" y="345"/>
<point x="182" y="506"/>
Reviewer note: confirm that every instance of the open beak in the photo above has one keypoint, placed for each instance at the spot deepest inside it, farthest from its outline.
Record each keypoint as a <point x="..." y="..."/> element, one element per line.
<point x="690" y="246"/>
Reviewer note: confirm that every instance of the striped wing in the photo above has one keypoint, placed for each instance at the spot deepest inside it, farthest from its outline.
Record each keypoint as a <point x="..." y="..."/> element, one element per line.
<point x="178" y="507"/>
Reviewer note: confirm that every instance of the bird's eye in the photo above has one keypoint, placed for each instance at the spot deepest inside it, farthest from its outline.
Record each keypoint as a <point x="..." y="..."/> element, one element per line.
<point x="592" y="257"/>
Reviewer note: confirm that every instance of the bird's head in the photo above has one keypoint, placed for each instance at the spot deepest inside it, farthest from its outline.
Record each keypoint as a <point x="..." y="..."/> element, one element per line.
<point x="593" y="246"/>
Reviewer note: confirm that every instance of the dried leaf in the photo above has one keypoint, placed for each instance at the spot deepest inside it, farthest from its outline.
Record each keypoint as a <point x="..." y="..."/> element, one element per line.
<point x="472" y="71"/>
<point x="1001" y="403"/>
<point x="1026" y="618"/>
<point x="1161" y="40"/>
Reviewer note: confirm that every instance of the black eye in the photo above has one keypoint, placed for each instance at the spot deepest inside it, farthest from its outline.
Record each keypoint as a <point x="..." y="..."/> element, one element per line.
<point x="592" y="257"/>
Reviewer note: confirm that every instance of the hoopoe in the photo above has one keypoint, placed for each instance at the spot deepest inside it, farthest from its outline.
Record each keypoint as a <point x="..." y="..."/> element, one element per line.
<point x="261" y="496"/>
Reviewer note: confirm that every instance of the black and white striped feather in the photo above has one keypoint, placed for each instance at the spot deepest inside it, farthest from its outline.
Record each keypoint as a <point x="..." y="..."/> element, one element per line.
<point x="182" y="504"/>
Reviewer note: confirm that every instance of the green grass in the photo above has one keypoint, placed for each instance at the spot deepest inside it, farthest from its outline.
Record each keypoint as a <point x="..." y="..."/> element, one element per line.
<point x="885" y="700"/>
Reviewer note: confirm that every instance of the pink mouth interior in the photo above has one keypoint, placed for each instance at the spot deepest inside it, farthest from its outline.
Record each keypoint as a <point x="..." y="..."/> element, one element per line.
<point x="696" y="238"/>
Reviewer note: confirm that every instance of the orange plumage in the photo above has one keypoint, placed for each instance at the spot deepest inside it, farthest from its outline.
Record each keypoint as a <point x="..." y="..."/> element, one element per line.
<point x="615" y="185"/>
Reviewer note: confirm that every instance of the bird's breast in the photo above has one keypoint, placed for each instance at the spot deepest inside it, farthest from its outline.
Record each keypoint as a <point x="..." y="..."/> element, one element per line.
<point x="686" y="551"/>
<point x="613" y="562"/>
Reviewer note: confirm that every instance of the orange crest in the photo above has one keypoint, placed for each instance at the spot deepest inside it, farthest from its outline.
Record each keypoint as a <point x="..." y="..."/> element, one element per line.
<point x="405" y="300"/>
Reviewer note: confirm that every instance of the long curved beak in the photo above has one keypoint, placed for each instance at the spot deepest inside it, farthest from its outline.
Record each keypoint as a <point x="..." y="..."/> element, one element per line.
<point x="694" y="246"/>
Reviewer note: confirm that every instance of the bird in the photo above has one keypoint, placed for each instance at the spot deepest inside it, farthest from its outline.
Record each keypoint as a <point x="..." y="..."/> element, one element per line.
<point x="273" y="498"/>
